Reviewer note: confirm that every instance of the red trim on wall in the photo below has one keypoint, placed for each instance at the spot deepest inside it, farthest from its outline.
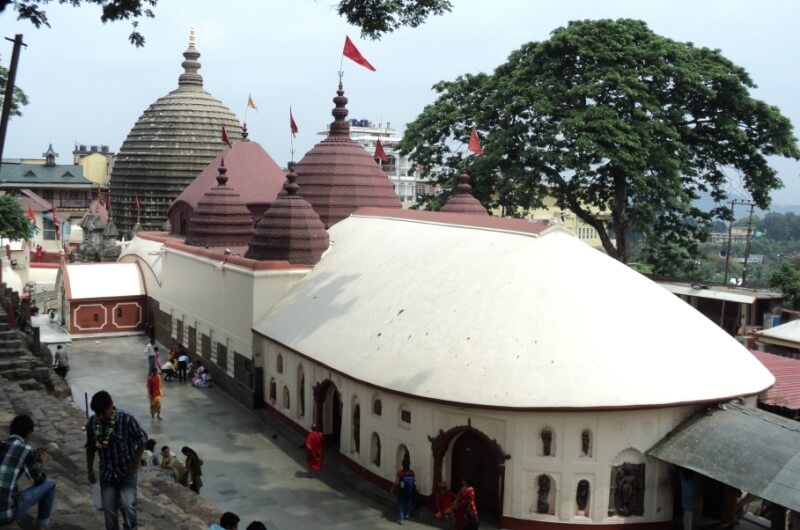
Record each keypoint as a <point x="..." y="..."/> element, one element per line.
<point x="512" y="523"/>
<point x="462" y="219"/>
<point x="269" y="412"/>
<point x="366" y="474"/>
<point x="104" y="309"/>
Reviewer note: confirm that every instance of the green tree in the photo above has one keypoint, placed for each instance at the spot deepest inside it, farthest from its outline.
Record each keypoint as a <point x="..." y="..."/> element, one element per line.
<point x="14" y="223"/>
<point x="787" y="280"/>
<point x="112" y="10"/>
<point x="378" y="17"/>
<point x="18" y="100"/>
<point x="622" y="126"/>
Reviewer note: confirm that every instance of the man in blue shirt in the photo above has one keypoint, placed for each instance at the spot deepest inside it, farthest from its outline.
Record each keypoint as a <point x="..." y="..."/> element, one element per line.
<point x="119" y="440"/>
<point x="17" y="457"/>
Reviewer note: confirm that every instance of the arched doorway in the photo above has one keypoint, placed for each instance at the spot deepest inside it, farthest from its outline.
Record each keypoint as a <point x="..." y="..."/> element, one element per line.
<point x="472" y="457"/>
<point x="328" y="411"/>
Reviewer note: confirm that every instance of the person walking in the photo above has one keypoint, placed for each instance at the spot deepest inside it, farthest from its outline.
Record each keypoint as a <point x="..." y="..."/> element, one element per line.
<point x="466" y="509"/>
<point x="154" y="393"/>
<point x="61" y="362"/>
<point x="194" y="469"/>
<point x="18" y="457"/>
<point x="150" y="355"/>
<point x="120" y="441"/>
<point x="405" y="487"/>
<point x="314" y="451"/>
<point x="183" y="364"/>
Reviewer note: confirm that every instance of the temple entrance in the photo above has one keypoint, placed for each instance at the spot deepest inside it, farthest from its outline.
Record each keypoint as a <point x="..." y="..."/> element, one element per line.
<point x="328" y="411"/>
<point x="473" y="457"/>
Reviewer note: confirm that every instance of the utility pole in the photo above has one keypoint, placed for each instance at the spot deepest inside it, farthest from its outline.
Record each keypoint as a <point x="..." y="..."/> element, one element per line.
<point x="747" y="243"/>
<point x="752" y="205"/>
<point x="9" y="95"/>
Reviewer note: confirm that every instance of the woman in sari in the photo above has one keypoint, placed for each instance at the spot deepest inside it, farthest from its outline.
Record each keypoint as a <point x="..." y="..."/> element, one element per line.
<point x="154" y="393"/>
<point x="194" y="469"/>
<point x="314" y="451"/>
<point x="466" y="509"/>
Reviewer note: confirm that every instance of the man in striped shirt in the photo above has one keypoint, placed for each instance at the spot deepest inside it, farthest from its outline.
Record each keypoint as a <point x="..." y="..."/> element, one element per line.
<point x="17" y="457"/>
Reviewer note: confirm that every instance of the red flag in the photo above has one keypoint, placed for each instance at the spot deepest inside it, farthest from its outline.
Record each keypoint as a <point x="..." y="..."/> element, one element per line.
<point x="380" y="154"/>
<point x="138" y="206"/>
<point x="225" y="138"/>
<point x="351" y="52"/>
<point x="475" y="143"/>
<point x="292" y="124"/>
<point x="31" y="215"/>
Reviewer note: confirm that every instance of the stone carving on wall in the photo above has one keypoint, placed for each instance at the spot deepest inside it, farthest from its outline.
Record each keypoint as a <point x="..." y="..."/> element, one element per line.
<point x="547" y="442"/>
<point x="586" y="443"/>
<point x="627" y="490"/>
<point x="543" y="494"/>
<point x="582" y="497"/>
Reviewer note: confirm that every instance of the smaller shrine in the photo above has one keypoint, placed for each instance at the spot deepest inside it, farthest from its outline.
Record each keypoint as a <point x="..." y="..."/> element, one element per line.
<point x="99" y="235"/>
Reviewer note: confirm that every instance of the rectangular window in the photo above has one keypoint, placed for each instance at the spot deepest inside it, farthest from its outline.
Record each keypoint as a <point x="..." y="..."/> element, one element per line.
<point x="222" y="356"/>
<point x="205" y="346"/>
<point x="191" y="342"/>
<point x="405" y="416"/>
<point x="243" y="369"/>
<point x="179" y="331"/>
<point x="48" y="230"/>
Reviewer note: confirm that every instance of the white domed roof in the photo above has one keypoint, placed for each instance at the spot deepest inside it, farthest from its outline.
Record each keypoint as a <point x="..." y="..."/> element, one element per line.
<point x="503" y="319"/>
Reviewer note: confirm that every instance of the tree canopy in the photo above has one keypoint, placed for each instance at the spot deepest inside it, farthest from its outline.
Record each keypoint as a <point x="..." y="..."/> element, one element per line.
<point x="378" y="17"/>
<point x="19" y="100"/>
<point x="622" y="126"/>
<point x="14" y="223"/>
<point x="787" y="281"/>
<point x="112" y="10"/>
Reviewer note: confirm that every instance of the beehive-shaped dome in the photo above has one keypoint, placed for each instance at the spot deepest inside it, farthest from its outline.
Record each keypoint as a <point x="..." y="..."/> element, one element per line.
<point x="463" y="201"/>
<point x="221" y="218"/>
<point x="338" y="176"/>
<point x="173" y="140"/>
<point x="290" y="230"/>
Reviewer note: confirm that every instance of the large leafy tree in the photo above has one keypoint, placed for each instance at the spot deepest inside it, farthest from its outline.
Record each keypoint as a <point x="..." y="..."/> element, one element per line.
<point x="19" y="98"/>
<point x="622" y="126"/>
<point x="14" y="223"/>
<point x="787" y="280"/>
<point x="111" y="10"/>
<point x="378" y="17"/>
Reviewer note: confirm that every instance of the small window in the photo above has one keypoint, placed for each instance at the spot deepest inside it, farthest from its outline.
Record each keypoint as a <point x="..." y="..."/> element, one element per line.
<point x="547" y="441"/>
<point x="279" y="363"/>
<point x="405" y="415"/>
<point x="286" y="402"/>
<point x="273" y="391"/>
<point x="119" y="312"/>
<point x="586" y="443"/>
<point x="301" y="392"/>
<point x="356" y="427"/>
<point x="377" y="407"/>
<point x="375" y="450"/>
<point x="95" y="317"/>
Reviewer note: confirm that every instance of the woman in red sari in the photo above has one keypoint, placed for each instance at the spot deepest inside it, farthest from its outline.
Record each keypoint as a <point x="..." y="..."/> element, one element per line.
<point x="314" y="451"/>
<point x="154" y="393"/>
<point x="466" y="510"/>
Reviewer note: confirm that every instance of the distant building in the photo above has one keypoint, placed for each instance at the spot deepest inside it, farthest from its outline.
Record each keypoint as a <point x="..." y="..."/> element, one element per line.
<point x="550" y="212"/>
<point x="402" y="173"/>
<point x="97" y="162"/>
<point x="739" y="234"/>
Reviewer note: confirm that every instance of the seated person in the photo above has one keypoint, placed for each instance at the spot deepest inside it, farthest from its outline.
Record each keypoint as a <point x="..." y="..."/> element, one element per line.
<point x="168" y="370"/>
<point x="149" y="457"/>
<point x="201" y="378"/>
<point x="443" y="500"/>
<point x="171" y="462"/>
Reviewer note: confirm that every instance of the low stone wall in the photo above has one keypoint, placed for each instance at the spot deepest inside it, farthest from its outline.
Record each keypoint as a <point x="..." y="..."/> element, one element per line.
<point x="163" y="504"/>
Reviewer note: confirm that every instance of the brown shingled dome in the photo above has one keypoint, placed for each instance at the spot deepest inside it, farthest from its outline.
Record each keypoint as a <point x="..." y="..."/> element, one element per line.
<point x="171" y="142"/>
<point x="338" y="176"/>
<point x="221" y="217"/>
<point x="463" y="201"/>
<point x="290" y="230"/>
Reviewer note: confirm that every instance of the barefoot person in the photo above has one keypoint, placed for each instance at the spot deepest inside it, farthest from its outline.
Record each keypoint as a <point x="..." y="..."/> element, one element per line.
<point x="314" y="451"/>
<point x="154" y="393"/>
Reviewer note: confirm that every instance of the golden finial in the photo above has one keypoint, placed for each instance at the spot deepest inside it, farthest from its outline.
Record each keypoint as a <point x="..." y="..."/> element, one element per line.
<point x="191" y="36"/>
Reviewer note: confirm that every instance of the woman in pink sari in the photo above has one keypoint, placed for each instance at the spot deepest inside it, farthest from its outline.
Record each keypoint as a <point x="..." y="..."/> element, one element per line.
<point x="314" y="451"/>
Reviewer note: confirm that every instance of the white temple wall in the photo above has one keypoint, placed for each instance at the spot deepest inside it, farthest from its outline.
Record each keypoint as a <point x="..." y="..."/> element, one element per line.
<point x="616" y="437"/>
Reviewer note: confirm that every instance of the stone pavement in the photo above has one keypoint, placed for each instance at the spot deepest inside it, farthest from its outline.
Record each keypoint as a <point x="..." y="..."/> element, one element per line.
<point x="252" y="467"/>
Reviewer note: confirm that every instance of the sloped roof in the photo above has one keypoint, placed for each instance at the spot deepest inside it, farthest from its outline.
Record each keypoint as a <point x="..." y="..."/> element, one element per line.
<point x="39" y="175"/>
<point x="789" y="332"/>
<point x="786" y="390"/>
<point x="555" y="322"/>
<point x="89" y="281"/>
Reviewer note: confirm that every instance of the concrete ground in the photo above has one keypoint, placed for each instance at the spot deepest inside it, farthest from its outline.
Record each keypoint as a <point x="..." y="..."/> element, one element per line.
<point x="252" y="468"/>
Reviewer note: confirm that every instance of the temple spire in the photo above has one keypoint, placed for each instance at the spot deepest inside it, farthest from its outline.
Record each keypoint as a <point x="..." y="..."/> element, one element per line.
<point x="191" y="65"/>
<point x="340" y="127"/>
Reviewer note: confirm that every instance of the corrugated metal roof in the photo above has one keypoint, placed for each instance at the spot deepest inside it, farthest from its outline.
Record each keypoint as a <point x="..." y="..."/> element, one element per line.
<point x="747" y="448"/>
<point x="786" y="390"/>
<point x="15" y="175"/>
<point x="790" y="332"/>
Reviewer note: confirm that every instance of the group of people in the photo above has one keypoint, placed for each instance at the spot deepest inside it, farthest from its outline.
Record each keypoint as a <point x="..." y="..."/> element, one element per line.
<point x="177" y="366"/>
<point x="230" y="521"/>
<point x="461" y="507"/>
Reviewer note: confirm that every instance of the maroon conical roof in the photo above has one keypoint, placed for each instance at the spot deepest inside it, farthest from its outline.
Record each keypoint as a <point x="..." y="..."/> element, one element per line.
<point x="463" y="201"/>
<point x="338" y="176"/>
<point x="221" y="217"/>
<point x="290" y="230"/>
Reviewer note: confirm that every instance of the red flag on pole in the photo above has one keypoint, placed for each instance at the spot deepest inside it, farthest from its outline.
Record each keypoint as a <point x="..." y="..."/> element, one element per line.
<point x="351" y="52"/>
<point x="225" y="138"/>
<point x="475" y="143"/>
<point x="380" y="154"/>
<point x="292" y="124"/>
<point x="138" y="206"/>
<point x="31" y="215"/>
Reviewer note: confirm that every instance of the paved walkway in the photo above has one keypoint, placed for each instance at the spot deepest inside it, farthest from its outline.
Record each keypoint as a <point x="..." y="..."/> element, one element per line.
<point x="250" y="467"/>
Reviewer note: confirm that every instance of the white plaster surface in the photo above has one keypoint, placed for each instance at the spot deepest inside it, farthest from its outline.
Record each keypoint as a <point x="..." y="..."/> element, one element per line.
<point x="104" y="280"/>
<point x="478" y="316"/>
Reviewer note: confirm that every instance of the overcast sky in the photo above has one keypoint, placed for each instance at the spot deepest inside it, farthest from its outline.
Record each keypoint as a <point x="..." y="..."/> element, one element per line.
<point x="88" y="85"/>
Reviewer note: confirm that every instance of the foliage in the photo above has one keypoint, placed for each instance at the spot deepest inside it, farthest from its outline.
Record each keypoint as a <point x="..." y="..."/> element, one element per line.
<point x="622" y="126"/>
<point x="787" y="280"/>
<point x="112" y="10"/>
<point x="378" y="17"/>
<point x="14" y="223"/>
<point x="19" y="98"/>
